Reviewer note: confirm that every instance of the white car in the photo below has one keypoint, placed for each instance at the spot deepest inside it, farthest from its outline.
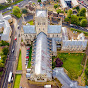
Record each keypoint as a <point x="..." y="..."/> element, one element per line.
<point x="12" y="50"/>
<point x="9" y="8"/>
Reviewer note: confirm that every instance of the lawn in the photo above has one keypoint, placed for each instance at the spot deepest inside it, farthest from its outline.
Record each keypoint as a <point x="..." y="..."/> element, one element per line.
<point x="19" y="67"/>
<point x="17" y="81"/>
<point x="31" y="22"/>
<point x="72" y="63"/>
<point x="30" y="52"/>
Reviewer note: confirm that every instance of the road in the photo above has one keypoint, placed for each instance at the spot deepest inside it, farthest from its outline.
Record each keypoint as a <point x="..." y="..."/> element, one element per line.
<point x="76" y="27"/>
<point x="12" y="56"/>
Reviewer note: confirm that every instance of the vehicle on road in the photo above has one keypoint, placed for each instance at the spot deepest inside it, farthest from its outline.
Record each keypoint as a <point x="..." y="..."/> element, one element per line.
<point x="12" y="50"/>
<point x="10" y="78"/>
<point x="15" y="38"/>
<point x="71" y="25"/>
<point x="9" y="8"/>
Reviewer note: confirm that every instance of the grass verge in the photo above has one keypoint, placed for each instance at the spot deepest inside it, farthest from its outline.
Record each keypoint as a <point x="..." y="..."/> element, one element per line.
<point x="72" y="62"/>
<point x="30" y="52"/>
<point x="17" y="81"/>
<point x="19" y="67"/>
<point x="6" y="12"/>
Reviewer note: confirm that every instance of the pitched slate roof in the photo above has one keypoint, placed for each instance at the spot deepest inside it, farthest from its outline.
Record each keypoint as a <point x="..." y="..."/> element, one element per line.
<point x="29" y="29"/>
<point x="54" y="28"/>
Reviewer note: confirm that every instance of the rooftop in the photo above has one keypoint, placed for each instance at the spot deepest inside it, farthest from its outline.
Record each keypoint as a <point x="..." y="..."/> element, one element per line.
<point x="41" y="13"/>
<point x="54" y="28"/>
<point x="29" y="29"/>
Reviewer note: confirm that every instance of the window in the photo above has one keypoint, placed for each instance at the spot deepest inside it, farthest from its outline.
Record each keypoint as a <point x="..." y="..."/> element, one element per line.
<point x="38" y="23"/>
<point x="39" y="28"/>
<point x="43" y="28"/>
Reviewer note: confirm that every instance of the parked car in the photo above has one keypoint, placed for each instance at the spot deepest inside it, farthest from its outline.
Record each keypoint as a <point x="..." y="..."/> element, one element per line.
<point x="9" y="8"/>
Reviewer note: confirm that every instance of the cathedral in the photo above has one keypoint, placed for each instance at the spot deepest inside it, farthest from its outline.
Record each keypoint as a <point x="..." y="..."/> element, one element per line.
<point x="46" y="39"/>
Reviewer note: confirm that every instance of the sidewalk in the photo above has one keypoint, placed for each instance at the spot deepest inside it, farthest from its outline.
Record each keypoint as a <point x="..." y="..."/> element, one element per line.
<point x="23" y="81"/>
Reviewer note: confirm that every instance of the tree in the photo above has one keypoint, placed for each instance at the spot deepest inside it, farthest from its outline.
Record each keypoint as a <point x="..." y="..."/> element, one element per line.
<point x="5" y="50"/>
<point x="59" y="63"/>
<point x="74" y="19"/>
<point x="24" y="11"/>
<point x="86" y="71"/>
<point x="83" y="23"/>
<point x="56" y="5"/>
<point x="39" y="0"/>
<point x="16" y="11"/>
<point x="1" y="63"/>
<point x="82" y="12"/>
<point x="66" y="19"/>
<point x="4" y="43"/>
<point x="69" y="13"/>
<point x="59" y="11"/>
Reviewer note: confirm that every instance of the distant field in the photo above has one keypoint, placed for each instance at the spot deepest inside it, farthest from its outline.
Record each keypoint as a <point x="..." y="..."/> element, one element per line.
<point x="72" y="63"/>
<point x="17" y="81"/>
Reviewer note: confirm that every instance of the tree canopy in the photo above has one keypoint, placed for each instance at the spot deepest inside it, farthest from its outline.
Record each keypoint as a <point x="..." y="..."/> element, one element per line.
<point x="83" y="23"/>
<point x="74" y="19"/>
<point x="5" y="50"/>
<point x="69" y="13"/>
<point x="39" y="0"/>
<point x="82" y="12"/>
<point x="16" y="11"/>
<point x="56" y="5"/>
<point x="59" y="63"/>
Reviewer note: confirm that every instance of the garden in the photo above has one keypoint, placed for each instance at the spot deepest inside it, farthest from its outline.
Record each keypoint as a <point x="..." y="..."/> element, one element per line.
<point x="17" y="81"/>
<point x="72" y="62"/>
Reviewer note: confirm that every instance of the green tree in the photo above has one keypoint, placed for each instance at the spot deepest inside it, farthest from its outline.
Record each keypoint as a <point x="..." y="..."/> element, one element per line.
<point x="82" y="12"/>
<point x="16" y="11"/>
<point x="5" y="50"/>
<point x="1" y="63"/>
<point x="56" y="5"/>
<point x="24" y="11"/>
<point x="4" y="43"/>
<point x="69" y="13"/>
<point x="39" y="0"/>
<point x="59" y="11"/>
<point x="83" y="23"/>
<point x="74" y="19"/>
<point x="66" y="19"/>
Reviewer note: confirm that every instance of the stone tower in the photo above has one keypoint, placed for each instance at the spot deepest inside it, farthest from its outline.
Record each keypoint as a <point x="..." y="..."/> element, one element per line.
<point x="41" y="20"/>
